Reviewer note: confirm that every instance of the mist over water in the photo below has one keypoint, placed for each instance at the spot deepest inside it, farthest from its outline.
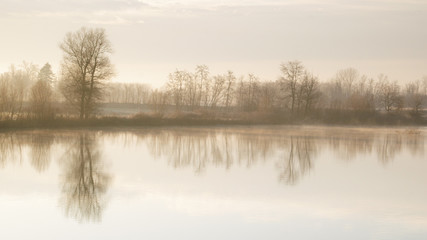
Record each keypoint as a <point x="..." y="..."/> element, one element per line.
<point x="264" y="181"/>
<point x="241" y="119"/>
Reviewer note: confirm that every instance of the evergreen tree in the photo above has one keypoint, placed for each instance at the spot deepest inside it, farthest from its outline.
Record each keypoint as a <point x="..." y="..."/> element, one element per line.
<point x="46" y="74"/>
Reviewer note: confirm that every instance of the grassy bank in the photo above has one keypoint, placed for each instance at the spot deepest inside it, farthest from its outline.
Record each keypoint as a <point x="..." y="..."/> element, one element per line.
<point x="102" y="122"/>
<point x="208" y="119"/>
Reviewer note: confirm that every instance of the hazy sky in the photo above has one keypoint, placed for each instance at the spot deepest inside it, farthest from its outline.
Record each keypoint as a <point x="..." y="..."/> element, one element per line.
<point x="153" y="38"/>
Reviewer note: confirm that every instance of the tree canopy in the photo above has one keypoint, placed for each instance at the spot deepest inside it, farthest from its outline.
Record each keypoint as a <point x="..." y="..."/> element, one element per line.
<point x="85" y="67"/>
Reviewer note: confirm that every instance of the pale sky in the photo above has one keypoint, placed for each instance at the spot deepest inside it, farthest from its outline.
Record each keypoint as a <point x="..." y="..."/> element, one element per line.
<point x="153" y="38"/>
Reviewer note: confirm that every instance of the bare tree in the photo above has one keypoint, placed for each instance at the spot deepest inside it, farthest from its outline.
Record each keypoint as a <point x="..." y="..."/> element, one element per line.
<point x="342" y="88"/>
<point x="413" y="96"/>
<point x="142" y="93"/>
<point x="310" y="91"/>
<point x="13" y="88"/>
<point x="240" y="93"/>
<point x="85" y="67"/>
<point x="230" y="83"/>
<point x="362" y="96"/>
<point x="5" y="84"/>
<point x="190" y="91"/>
<point x="253" y="92"/>
<point x="333" y="93"/>
<point x="158" y="101"/>
<point x="292" y="74"/>
<point x="424" y="86"/>
<point x="135" y="93"/>
<point x="31" y="70"/>
<point x="388" y="94"/>
<point x="41" y="100"/>
<point x="41" y="94"/>
<point x="347" y="77"/>
<point x="203" y="81"/>
<point x="248" y="93"/>
<point x="269" y="93"/>
<point x="176" y="87"/>
<point x="217" y="89"/>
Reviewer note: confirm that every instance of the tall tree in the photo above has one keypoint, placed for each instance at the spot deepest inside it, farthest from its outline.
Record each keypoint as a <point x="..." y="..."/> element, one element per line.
<point x="41" y="94"/>
<point x="388" y="94"/>
<point x="13" y="89"/>
<point x="46" y="74"/>
<point x="292" y="74"/>
<point x="229" y="89"/>
<point x="347" y="78"/>
<point x="310" y="91"/>
<point x="217" y="89"/>
<point x="190" y="91"/>
<point x="413" y="96"/>
<point x="85" y="68"/>
<point x="41" y="97"/>
<point x="176" y="87"/>
<point x="203" y="81"/>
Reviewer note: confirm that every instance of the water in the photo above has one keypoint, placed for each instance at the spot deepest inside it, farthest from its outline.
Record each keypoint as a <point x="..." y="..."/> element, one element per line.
<point x="214" y="183"/>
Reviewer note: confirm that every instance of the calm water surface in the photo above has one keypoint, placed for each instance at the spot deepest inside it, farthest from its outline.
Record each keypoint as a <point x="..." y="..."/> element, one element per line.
<point x="214" y="183"/>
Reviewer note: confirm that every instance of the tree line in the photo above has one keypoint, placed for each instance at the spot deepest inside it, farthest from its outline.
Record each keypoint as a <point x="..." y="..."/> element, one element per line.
<point x="85" y="70"/>
<point x="296" y="92"/>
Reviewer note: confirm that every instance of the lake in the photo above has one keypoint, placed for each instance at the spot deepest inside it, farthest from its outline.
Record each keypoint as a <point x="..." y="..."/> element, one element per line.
<point x="258" y="182"/>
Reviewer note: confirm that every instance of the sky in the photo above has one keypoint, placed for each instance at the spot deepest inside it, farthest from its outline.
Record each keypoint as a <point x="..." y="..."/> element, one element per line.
<point x="153" y="38"/>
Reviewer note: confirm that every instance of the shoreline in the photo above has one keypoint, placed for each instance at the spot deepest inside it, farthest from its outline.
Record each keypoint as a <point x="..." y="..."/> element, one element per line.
<point x="150" y="121"/>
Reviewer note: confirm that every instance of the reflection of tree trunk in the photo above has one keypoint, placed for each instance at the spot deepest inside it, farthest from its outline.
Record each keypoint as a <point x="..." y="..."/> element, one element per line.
<point x="85" y="182"/>
<point x="388" y="148"/>
<point x="290" y="174"/>
<point x="40" y="151"/>
<point x="304" y="154"/>
<point x="9" y="147"/>
<point x="92" y="183"/>
<point x="82" y="106"/>
<point x="298" y="162"/>
<point x="228" y="160"/>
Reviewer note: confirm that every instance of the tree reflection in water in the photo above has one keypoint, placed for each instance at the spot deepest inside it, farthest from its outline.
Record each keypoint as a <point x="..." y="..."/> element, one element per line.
<point x="40" y="151"/>
<point x="201" y="149"/>
<point x="293" y="153"/>
<point x="295" y="150"/>
<point x="85" y="181"/>
<point x="10" y="148"/>
<point x="298" y="161"/>
<point x="388" y="146"/>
